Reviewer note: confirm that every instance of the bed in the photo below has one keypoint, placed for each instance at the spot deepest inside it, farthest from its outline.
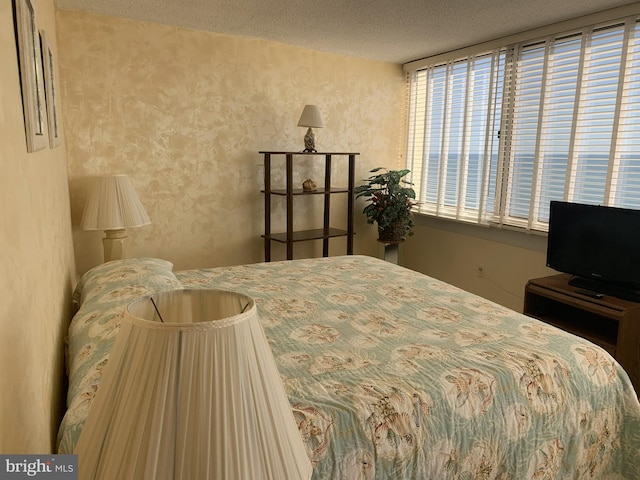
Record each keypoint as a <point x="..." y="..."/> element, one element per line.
<point x="395" y="375"/>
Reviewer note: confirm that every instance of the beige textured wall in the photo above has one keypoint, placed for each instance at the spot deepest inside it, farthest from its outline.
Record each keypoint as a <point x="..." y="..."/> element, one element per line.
<point x="36" y="259"/>
<point x="185" y="112"/>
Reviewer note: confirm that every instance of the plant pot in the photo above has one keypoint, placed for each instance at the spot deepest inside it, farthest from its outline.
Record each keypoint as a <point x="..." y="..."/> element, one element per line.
<point x="393" y="233"/>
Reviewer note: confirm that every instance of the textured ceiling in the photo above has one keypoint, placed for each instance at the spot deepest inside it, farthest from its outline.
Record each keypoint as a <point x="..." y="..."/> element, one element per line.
<point x="389" y="30"/>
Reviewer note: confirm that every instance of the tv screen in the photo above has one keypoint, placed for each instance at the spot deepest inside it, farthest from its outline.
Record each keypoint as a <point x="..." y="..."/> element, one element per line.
<point x="595" y="242"/>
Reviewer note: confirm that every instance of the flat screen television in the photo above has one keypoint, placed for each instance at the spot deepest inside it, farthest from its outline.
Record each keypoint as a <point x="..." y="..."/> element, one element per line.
<point x="599" y="245"/>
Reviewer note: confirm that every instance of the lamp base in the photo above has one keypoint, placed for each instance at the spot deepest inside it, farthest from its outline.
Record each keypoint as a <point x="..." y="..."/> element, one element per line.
<point x="114" y="244"/>
<point x="310" y="142"/>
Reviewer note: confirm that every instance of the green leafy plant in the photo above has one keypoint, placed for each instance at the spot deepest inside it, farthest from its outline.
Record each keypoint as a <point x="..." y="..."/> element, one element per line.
<point x="389" y="202"/>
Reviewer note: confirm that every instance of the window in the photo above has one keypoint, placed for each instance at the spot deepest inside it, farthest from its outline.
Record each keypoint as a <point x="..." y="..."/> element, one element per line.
<point x="494" y="137"/>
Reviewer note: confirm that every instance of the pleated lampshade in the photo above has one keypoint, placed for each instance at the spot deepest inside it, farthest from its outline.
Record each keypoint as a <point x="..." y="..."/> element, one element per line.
<point x="191" y="391"/>
<point x="113" y="205"/>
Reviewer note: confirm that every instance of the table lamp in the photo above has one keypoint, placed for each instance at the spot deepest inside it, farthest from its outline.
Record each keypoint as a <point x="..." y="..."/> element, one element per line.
<point x="191" y="391"/>
<point x="310" y="118"/>
<point x="114" y="206"/>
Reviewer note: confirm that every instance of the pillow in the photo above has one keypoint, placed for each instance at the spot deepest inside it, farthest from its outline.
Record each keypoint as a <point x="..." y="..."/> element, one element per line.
<point x="108" y="279"/>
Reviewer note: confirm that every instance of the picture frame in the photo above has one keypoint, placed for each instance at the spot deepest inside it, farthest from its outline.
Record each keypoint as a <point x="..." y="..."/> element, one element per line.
<point x="51" y="90"/>
<point x="31" y="77"/>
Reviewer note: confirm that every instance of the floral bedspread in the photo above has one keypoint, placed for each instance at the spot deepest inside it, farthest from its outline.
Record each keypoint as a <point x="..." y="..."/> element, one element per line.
<point x="395" y="375"/>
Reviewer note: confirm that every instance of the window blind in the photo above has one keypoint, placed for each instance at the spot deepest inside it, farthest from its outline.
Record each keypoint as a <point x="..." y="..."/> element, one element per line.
<point x="494" y="137"/>
<point x="453" y="119"/>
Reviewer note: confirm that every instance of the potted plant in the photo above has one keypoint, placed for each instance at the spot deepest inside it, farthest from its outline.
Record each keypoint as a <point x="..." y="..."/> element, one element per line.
<point x="389" y="203"/>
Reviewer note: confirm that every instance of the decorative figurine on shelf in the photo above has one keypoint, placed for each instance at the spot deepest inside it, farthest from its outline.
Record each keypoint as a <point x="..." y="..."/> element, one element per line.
<point x="310" y="118"/>
<point x="309" y="186"/>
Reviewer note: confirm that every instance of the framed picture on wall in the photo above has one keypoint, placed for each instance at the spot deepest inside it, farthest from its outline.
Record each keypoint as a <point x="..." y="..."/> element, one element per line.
<point x="51" y="93"/>
<point x="31" y="78"/>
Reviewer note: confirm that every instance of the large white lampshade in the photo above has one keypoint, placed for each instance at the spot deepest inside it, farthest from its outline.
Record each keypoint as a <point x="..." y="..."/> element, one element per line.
<point x="310" y="118"/>
<point x="114" y="206"/>
<point x="191" y="392"/>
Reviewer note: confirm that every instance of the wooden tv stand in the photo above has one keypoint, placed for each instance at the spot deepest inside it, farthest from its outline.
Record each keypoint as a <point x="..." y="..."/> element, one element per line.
<point x="609" y="322"/>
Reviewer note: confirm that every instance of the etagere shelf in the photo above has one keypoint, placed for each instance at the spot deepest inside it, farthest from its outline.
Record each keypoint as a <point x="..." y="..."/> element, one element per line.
<point x="289" y="237"/>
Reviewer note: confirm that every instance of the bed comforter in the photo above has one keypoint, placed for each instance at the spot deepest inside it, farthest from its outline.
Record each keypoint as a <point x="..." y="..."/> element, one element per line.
<point x="395" y="375"/>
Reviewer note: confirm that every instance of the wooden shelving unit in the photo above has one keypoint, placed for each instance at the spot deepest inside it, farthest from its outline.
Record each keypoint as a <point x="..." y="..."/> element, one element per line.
<point x="289" y="237"/>
<point x="610" y="322"/>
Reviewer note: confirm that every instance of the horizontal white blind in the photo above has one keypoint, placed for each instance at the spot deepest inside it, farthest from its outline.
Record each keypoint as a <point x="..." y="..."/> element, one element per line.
<point x="562" y="86"/>
<point x="528" y="90"/>
<point x="452" y="128"/>
<point x="567" y="108"/>
<point x="596" y="116"/>
<point x="625" y="181"/>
